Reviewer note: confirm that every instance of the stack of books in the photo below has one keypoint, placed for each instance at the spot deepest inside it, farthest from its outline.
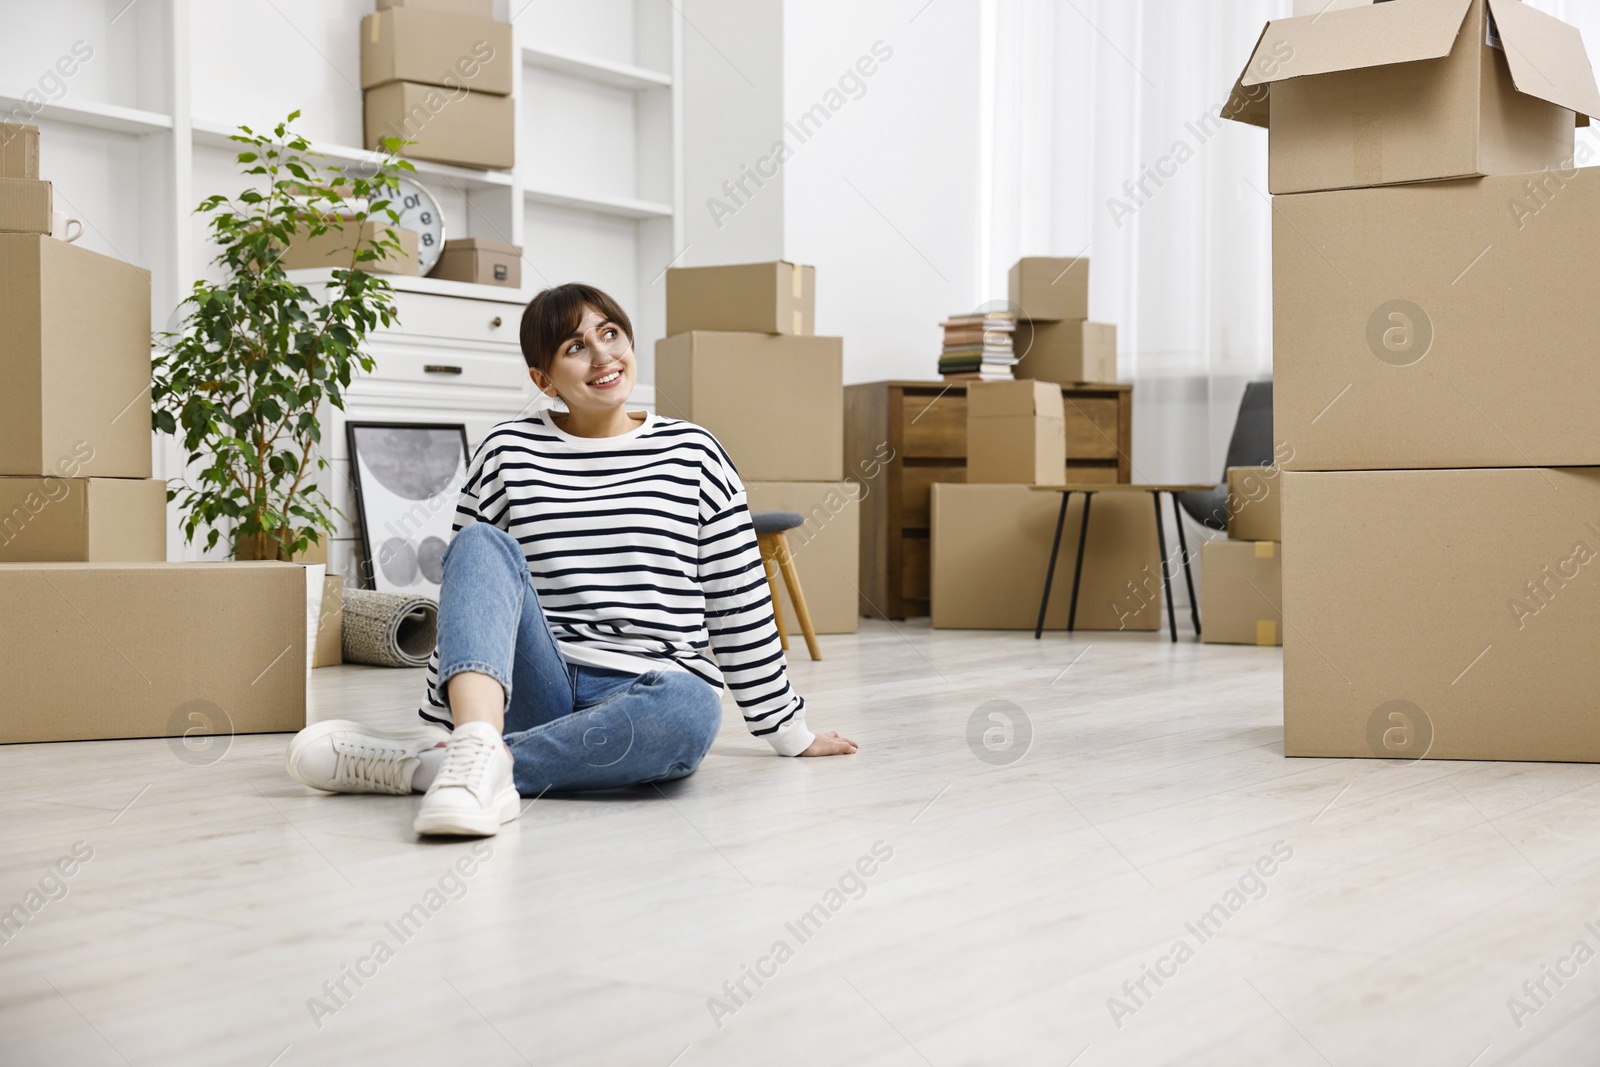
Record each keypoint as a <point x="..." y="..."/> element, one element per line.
<point x="978" y="346"/>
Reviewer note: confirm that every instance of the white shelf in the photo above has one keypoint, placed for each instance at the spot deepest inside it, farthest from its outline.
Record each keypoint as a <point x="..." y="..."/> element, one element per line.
<point x="86" y="113"/>
<point x="213" y="134"/>
<point x="409" y="283"/>
<point x="621" y="75"/>
<point x="627" y="207"/>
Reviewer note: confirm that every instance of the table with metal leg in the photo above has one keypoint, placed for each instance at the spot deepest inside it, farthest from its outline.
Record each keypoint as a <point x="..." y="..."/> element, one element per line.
<point x="1089" y="490"/>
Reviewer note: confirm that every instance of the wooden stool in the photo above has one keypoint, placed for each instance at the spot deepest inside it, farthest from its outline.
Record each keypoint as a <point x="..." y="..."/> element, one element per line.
<point x="770" y="527"/>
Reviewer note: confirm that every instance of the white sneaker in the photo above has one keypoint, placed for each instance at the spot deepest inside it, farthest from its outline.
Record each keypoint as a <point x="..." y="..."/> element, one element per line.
<point x="474" y="791"/>
<point x="341" y="756"/>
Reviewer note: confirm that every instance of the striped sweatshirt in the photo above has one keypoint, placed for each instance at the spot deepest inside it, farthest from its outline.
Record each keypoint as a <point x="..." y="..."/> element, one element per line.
<point x="643" y="555"/>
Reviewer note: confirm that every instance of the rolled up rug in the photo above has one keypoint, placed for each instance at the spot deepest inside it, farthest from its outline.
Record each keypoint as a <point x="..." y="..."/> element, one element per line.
<point x="389" y="629"/>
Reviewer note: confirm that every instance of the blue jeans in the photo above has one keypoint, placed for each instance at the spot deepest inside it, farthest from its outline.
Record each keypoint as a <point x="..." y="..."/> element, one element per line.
<point x="569" y="727"/>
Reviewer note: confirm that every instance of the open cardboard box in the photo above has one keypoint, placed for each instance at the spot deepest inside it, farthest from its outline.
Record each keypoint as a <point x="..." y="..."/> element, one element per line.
<point x="1415" y="90"/>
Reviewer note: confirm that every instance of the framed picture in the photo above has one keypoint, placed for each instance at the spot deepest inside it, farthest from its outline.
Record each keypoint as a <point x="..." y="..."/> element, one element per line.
<point x="408" y="478"/>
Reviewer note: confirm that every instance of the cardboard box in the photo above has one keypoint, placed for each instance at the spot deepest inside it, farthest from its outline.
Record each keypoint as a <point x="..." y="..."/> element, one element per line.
<point x="826" y="552"/>
<point x="338" y="247"/>
<point x="775" y="402"/>
<point x="329" y="649"/>
<point x="1066" y="352"/>
<point x="83" y="520"/>
<point x="25" y="206"/>
<point x="473" y="259"/>
<point x="449" y="126"/>
<point x="991" y="548"/>
<point x="118" y="650"/>
<point x="1016" y="433"/>
<point x="1387" y="93"/>
<point x="1439" y="325"/>
<point x="1255" y="512"/>
<point x="437" y="48"/>
<point x="478" y="9"/>
<point x="745" y="297"/>
<point x="19" y="151"/>
<point x="1050" y="289"/>
<point x="1449" y="614"/>
<point x="1241" y="593"/>
<point x="74" y="385"/>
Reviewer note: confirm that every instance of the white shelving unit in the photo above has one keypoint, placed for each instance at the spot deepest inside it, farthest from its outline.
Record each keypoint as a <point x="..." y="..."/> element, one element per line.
<point x="140" y="134"/>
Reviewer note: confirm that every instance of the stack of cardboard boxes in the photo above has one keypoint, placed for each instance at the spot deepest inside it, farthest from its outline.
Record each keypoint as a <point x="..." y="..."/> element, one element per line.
<point x="440" y="73"/>
<point x="741" y="358"/>
<point x="1241" y="594"/>
<point x="1055" y="341"/>
<point x="103" y="638"/>
<point x="1434" y="265"/>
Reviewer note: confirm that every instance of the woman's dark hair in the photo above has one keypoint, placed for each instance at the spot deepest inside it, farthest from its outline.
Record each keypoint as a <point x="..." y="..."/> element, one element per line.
<point x="553" y="316"/>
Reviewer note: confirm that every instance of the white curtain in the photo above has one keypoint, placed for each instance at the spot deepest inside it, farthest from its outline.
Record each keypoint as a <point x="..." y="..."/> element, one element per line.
<point x="1105" y="140"/>
<point x="1100" y="135"/>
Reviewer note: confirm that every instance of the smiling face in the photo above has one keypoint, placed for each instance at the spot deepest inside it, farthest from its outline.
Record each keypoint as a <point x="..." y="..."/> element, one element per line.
<point x="593" y="369"/>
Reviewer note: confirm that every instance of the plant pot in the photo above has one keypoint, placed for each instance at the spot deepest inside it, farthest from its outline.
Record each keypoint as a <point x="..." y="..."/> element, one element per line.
<point x="266" y="546"/>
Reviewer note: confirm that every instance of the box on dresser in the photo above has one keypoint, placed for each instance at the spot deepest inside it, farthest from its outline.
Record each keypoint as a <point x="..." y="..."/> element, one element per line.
<point x="77" y="385"/>
<point x="480" y="261"/>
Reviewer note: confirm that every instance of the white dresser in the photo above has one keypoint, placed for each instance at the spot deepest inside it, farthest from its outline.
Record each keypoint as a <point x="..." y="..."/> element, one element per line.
<point x="453" y="357"/>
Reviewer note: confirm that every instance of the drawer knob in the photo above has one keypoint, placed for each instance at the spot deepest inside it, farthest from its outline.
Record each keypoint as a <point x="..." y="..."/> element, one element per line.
<point x="440" y="368"/>
<point x="495" y="322"/>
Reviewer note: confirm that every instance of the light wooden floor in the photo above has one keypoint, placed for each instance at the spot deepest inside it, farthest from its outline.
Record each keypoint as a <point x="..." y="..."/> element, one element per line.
<point x="1017" y="899"/>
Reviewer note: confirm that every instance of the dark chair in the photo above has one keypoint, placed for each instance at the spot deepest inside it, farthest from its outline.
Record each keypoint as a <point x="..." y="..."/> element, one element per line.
<point x="770" y="527"/>
<point x="1251" y="446"/>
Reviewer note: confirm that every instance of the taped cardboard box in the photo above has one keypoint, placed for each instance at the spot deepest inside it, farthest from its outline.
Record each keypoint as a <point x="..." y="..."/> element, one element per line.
<point x="182" y="650"/>
<point x="1016" y="433"/>
<point x="329" y="649"/>
<point x="478" y="9"/>
<point x="1388" y="93"/>
<point x="473" y="259"/>
<point x="776" y="297"/>
<point x="76" y="388"/>
<point x="25" y="206"/>
<point x="1066" y="352"/>
<point x="448" y="125"/>
<point x="1438" y="325"/>
<point x="793" y="431"/>
<point x="826" y="552"/>
<point x="437" y="48"/>
<point x="1446" y="614"/>
<point x="338" y="246"/>
<point x="1049" y="288"/>
<point x="991" y="546"/>
<point x="1241" y="593"/>
<point x="83" y="520"/>
<point x="1255" y="511"/>
<point x="19" y="150"/>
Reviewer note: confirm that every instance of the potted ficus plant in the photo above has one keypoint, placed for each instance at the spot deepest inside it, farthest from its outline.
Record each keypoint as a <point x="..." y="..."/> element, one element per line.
<point x="243" y="378"/>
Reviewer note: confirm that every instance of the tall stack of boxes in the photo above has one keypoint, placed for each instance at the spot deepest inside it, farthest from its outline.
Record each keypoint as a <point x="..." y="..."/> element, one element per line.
<point x="741" y="358"/>
<point x="1241" y="594"/>
<point x="106" y="639"/>
<point x="440" y="73"/>
<point x="991" y="537"/>
<point x="1434" y="267"/>
<point x="1055" y="341"/>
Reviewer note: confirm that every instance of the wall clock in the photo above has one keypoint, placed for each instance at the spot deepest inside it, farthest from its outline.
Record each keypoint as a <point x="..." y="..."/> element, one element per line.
<point x="419" y="212"/>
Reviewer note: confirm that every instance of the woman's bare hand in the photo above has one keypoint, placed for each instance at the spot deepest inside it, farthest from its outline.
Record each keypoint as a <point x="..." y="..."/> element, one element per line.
<point x="830" y="744"/>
